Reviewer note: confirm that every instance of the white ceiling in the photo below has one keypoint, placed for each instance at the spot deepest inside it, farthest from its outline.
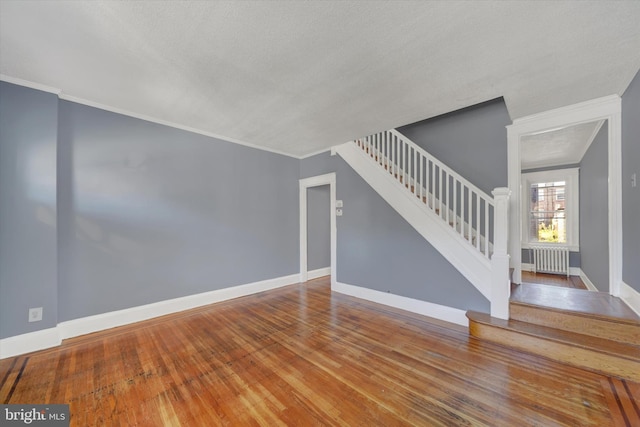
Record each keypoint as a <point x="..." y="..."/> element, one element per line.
<point x="298" y="77"/>
<point x="557" y="147"/>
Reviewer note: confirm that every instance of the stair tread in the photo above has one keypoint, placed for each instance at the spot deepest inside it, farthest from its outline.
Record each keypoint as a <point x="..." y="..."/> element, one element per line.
<point x="602" y="345"/>
<point x="575" y="301"/>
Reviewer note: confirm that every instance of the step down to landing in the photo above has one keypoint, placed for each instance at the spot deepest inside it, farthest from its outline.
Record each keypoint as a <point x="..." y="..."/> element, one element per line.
<point x="575" y="310"/>
<point x="596" y="354"/>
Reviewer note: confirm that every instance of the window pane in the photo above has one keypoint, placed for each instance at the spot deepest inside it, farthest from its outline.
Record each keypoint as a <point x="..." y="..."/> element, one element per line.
<point x="547" y="220"/>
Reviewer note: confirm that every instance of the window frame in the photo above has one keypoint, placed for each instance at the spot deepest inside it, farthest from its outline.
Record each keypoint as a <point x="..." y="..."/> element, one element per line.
<point x="571" y="177"/>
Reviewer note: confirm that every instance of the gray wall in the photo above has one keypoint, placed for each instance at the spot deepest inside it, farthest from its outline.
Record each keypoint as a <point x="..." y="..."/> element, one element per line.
<point x="472" y="141"/>
<point x="319" y="164"/>
<point x="594" y="208"/>
<point x="148" y="212"/>
<point x="318" y="227"/>
<point x="631" y="195"/>
<point x="378" y="249"/>
<point x="28" y="260"/>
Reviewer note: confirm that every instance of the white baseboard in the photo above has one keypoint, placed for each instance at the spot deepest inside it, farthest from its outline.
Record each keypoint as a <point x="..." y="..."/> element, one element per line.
<point x="631" y="297"/>
<point x="39" y="340"/>
<point x="320" y="272"/>
<point x="424" y="308"/>
<point x="32" y="341"/>
<point x="588" y="283"/>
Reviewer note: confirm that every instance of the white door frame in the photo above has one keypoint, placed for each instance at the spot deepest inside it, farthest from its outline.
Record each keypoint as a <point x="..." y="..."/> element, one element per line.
<point x="305" y="183"/>
<point x="607" y="108"/>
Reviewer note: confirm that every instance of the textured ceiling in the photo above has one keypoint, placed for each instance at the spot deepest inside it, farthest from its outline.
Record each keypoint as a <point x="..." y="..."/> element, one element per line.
<point x="298" y="77"/>
<point x="558" y="147"/>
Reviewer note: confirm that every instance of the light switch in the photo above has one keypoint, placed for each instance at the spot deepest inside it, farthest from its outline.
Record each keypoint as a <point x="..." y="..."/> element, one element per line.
<point x="338" y="203"/>
<point x="338" y="212"/>
<point x="634" y="181"/>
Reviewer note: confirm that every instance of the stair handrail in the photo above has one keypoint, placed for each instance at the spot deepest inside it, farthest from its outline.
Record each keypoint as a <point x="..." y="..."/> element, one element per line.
<point x="450" y="171"/>
<point x="391" y="149"/>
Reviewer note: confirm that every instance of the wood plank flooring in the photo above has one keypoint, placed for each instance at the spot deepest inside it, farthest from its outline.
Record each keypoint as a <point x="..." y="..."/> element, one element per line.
<point x="301" y="355"/>
<point x="553" y="280"/>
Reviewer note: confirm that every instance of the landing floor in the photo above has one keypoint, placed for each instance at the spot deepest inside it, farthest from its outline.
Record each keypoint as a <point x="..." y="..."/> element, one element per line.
<point x="598" y="303"/>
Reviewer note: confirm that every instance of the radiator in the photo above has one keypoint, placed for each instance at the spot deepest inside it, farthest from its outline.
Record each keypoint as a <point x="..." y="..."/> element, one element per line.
<point x="551" y="259"/>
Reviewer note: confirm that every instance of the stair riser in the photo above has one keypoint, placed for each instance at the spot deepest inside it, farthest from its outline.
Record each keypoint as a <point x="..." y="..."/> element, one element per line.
<point x="567" y="321"/>
<point x="575" y="356"/>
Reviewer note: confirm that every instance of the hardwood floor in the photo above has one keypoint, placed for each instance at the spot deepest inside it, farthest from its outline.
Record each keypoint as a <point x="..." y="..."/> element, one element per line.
<point x="553" y="280"/>
<point x="301" y="355"/>
<point x="588" y="302"/>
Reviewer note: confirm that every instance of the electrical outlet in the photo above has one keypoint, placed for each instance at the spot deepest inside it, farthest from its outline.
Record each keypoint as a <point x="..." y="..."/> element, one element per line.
<point x="35" y="314"/>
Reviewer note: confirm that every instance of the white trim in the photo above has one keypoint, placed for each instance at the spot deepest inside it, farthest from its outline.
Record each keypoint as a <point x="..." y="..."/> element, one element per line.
<point x="588" y="283"/>
<point x="472" y="264"/>
<point x="31" y="341"/>
<point x="99" y="322"/>
<point x="527" y="266"/>
<point x="573" y="271"/>
<point x="606" y="108"/>
<point x="117" y="110"/>
<point x="320" y="272"/>
<point x="47" y="338"/>
<point x="572" y="204"/>
<point x="124" y="112"/>
<point x="437" y="311"/>
<point x="31" y="85"/>
<point x="631" y="297"/>
<point x="304" y="184"/>
<point x="324" y="150"/>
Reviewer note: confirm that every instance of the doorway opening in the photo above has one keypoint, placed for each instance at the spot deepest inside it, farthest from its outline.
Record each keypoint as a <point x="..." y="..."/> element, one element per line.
<point x="316" y="182"/>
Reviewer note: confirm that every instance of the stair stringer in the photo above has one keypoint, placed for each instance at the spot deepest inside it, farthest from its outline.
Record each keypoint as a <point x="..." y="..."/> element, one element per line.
<point x="474" y="266"/>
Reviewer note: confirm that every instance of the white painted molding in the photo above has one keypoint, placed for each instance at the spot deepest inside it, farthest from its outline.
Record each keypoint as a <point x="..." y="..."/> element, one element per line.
<point x="304" y="184"/>
<point x="588" y="283"/>
<point x="320" y="272"/>
<point x="605" y="108"/>
<point x="631" y="297"/>
<point x="124" y="112"/>
<point x="99" y="322"/>
<point x="573" y="271"/>
<point x="527" y="267"/>
<point x="31" y="85"/>
<point x="474" y="266"/>
<point x="558" y="118"/>
<point x="425" y="308"/>
<point x="572" y="203"/>
<point x="52" y="337"/>
<point x="32" y="341"/>
<point x="315" y="153"/>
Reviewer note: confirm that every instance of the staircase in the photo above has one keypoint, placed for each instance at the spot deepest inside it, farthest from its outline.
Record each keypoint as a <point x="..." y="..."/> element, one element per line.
<point x="589" y="330"/>
<point x="469" y="228"/>
<point x="466" y="225"/>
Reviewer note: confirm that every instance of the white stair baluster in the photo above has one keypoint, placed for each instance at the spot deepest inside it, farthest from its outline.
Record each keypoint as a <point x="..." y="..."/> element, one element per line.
<point x="469" y="215"/>
<point x="455" y="204"/>
<point x="486" y="229"/>
<point x="477" y="221"/>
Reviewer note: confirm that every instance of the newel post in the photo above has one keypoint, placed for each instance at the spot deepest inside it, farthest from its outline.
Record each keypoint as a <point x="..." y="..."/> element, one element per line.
<point x="500" y="283"/>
